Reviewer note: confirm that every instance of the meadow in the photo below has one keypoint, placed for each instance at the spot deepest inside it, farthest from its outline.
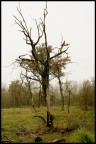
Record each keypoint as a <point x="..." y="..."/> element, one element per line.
<point x="19" y="125"/>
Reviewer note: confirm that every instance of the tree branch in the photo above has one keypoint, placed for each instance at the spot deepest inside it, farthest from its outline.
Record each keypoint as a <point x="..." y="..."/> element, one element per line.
<point x="41" y="118"/>
<point x="58" y="54"/>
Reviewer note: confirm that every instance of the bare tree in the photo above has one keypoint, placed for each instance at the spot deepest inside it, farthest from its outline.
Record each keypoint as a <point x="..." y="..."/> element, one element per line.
<point x="39" y="66"/>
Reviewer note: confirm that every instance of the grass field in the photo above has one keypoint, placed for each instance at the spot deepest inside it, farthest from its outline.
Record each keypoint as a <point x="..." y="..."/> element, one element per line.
<point x="18" y="125"/>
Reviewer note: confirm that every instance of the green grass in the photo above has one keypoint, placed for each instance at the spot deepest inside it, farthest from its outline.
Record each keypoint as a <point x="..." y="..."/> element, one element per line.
<point x="13" y="119"/>
<point x="82" y="136"/>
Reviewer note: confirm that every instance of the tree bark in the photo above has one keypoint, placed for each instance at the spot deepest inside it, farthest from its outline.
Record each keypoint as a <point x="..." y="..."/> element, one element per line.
<point x="61" y="92"/>
<point x="69" y="103"/>
<point x="44" y="90"/>
<point x="49" y="119"/>
<point x="48" y="106"/>
<point x="49" y="113"/>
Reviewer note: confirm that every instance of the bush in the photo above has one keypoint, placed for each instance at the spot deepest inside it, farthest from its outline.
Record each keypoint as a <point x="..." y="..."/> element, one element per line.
<point x="83" y="136"/>
<point x="72" y="121"/>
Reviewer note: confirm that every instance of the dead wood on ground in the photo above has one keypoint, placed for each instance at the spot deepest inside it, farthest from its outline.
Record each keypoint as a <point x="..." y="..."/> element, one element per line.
<point x="41" y="118"/>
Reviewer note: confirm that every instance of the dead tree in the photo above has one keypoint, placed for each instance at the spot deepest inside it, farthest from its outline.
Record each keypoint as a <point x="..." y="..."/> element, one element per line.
<point x="39" y="66"/>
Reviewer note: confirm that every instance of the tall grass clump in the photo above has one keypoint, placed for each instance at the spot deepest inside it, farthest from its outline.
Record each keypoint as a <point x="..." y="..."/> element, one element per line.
<point x="83" y="136"/>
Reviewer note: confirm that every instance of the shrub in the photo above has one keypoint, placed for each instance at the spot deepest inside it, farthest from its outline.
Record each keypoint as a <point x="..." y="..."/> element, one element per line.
<point x="83" y="136"/>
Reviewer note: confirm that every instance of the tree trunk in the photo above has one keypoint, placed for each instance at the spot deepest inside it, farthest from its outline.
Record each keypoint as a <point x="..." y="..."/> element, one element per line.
<point x="69" y="103"/>
<point x="31" y="96"/>
<point x="62" y="103"/>
<point x="20" y="101"/>
<point x="49" y="113"/>
<point x="49" y="119"/>
<point x="44" y="91"/>
<point x="48" y="106"/>
<point x="61" y="92"/>
<point x="39" y="103"/>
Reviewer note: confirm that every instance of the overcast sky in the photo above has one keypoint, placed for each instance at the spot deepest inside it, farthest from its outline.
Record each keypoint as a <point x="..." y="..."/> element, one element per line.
<point x="75" y="21"/>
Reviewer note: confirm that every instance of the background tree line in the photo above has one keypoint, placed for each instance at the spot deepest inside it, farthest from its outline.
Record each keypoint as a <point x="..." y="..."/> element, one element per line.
<point x="18" y="94"/>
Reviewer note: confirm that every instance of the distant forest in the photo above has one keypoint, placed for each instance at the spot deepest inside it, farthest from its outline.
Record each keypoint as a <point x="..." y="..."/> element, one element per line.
<point x="18" y="94"/>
